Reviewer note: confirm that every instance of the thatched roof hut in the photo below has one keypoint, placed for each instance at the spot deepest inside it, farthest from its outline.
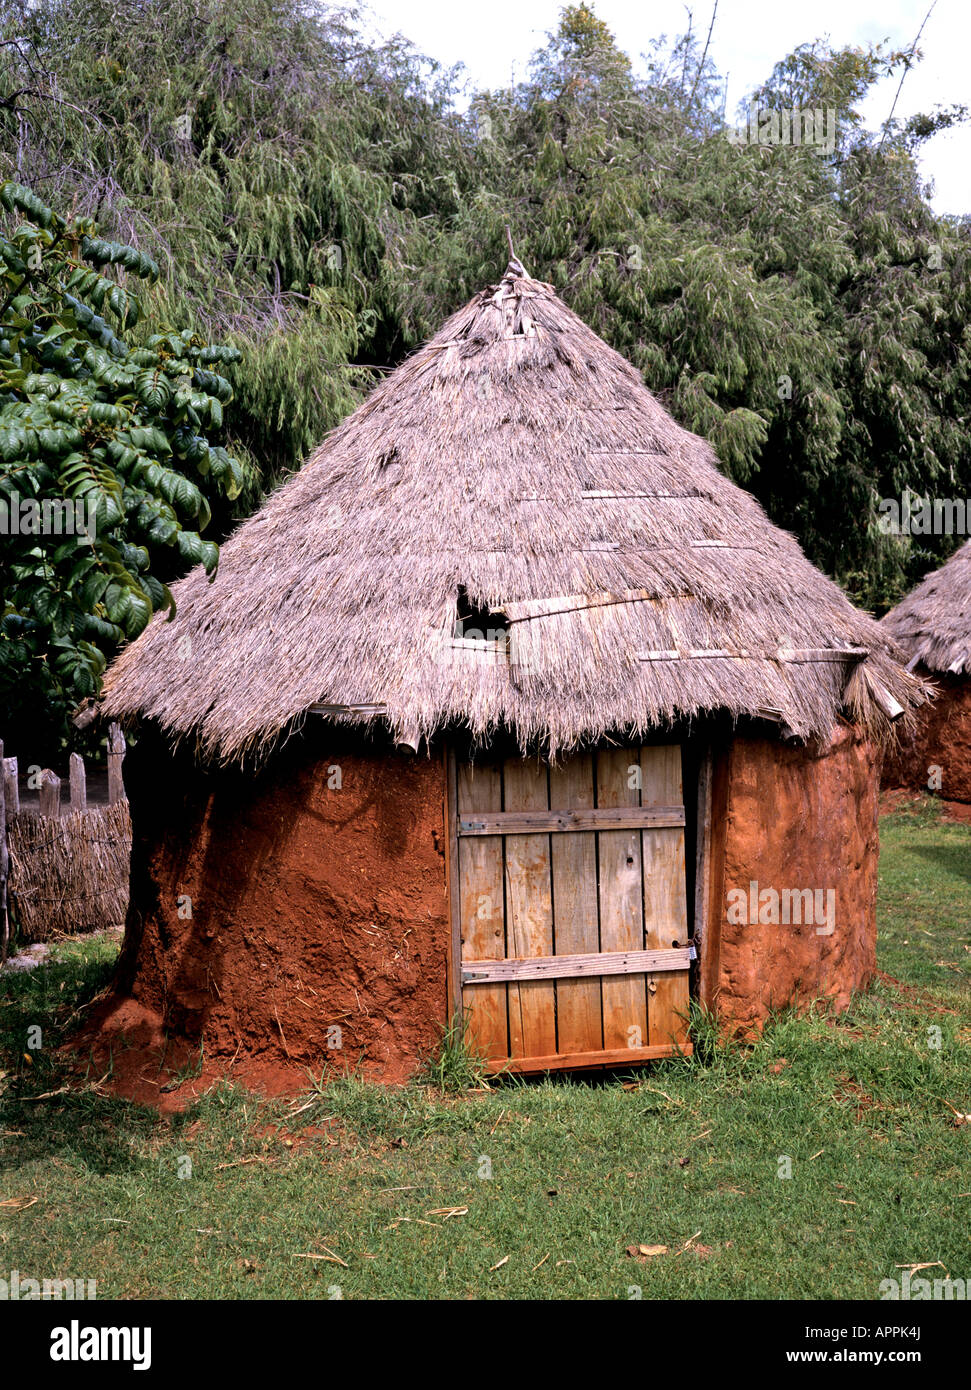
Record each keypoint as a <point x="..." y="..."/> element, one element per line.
<point x="518" y="460"/>
<point x="932" y="626"/>
<point x="512" y="557"/>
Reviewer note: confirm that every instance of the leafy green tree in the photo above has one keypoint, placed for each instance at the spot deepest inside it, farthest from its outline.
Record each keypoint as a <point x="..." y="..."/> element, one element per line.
<point x="291" y="178"/>
<point x="803" y="309"/>
<point x="107" y="461"/>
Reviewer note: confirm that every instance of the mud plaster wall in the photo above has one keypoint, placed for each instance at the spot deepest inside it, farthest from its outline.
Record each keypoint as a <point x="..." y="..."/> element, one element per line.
<point x="311" y="905"/>
<point x="792" y="818"/>
<point x="942" y="739"/>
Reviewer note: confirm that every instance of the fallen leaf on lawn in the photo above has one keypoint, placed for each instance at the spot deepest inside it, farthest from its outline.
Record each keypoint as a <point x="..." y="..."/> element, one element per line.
<point x="776" y="1067"/>
<point x="329" y="1256"/>
<point x="658" y="1092"/>
<point x="644" y="1252"/>
<point x="18" y="1203"/>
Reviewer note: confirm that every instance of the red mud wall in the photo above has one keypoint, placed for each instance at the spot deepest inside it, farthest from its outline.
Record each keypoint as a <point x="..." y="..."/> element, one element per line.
<point x="790" y="818"/>
<point x="311" y="905"/>
<point x="943" y="740"/>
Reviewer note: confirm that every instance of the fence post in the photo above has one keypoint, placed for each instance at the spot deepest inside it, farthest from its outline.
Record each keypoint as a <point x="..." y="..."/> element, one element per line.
<point x="50" y="793"/>
<point x="11" y="784"/>
<point x="4" y="863"/>
<point x="116" y="756"/>
<point x="79" y="785"/>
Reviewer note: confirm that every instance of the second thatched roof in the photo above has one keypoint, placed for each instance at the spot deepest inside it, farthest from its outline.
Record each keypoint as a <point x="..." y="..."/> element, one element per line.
<point x="515" y="472"/>
<point x="933" y="623"/>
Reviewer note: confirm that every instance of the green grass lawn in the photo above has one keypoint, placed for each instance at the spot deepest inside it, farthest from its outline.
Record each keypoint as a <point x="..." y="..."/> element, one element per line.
<point x="531" y="1190"/>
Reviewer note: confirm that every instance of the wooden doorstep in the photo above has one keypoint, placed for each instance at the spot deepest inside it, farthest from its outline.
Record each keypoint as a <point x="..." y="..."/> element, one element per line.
<point x="543" y="822"/>
<point x="574" y="1061"/>
<point x="597" y="963"/>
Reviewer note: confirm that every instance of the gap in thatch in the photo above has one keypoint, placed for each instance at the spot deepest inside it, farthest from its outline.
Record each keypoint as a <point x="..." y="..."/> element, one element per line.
<point x="477" y="620"/>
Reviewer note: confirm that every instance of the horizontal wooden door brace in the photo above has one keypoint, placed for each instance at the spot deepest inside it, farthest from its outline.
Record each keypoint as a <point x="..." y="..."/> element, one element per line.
<point x="483" y="972"/>
<point x="544" y="822"/>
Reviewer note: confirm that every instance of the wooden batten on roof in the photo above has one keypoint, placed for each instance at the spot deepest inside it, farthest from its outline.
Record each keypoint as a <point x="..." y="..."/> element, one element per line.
<point x="535" y="473"/>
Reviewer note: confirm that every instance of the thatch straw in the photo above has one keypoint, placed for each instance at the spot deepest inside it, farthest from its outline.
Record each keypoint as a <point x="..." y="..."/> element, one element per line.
<point x="519" y="457"/>
<point x="933" y="623"/>
<point x="69" y="873"/>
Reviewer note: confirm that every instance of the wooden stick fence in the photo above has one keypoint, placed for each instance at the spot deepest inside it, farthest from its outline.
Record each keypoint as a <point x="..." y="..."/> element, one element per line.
<point x="63" y="865"/>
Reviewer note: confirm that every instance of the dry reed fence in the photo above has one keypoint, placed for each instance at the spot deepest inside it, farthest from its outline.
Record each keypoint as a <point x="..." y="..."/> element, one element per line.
<point x="63" y="869"/>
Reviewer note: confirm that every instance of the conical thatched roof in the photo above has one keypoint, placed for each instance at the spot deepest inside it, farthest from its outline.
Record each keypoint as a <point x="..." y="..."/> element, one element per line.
<point x="933" y="623"/>
<point x="514" y="463"/>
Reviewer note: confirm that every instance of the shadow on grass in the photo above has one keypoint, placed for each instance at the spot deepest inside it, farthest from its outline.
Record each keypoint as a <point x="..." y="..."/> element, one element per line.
<point x="103" y="1134"/>
<point x="953" y="858"/>
<point x="48" y="1109"/>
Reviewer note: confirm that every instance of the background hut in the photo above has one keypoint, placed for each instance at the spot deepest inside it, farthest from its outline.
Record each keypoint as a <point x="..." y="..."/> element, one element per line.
<point x="508" y="698"/>
<point x="933" y="627"/>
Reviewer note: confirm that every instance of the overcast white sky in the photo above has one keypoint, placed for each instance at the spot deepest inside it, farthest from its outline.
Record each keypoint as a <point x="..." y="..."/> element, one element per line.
<point x="750" y="36"/>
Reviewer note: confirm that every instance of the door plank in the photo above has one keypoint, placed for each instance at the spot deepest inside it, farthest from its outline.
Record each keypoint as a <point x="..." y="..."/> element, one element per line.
<point x="621" y="904"/>
<point x="529" y="911"/>
<point x="579" y="1010"/>
<point x="665" y="894"/>
<point x="482" y="917"/>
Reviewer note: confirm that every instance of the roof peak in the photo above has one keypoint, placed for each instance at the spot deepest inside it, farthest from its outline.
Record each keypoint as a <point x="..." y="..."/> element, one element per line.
<point x="515" y="269"/>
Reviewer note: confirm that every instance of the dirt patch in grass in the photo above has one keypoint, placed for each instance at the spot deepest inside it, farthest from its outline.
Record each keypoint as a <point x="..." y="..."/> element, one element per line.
<point x="850" y="1092"/>
<point x="297" y="1139"/>
<point x="126" y="1045"/>
<point x="904" y="801"/>
<point x="916" y="998"/>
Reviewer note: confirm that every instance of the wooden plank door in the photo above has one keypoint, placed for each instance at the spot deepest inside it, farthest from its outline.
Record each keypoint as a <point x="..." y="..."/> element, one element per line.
<point x="572" y="908"/>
